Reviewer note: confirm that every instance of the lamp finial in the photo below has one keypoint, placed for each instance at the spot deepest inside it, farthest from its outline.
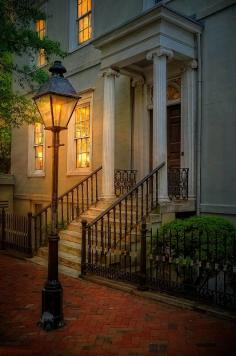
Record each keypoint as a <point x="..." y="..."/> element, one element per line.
<point x="57" y="69"/>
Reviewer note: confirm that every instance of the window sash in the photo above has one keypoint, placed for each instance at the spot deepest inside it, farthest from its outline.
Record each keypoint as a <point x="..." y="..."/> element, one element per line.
<point x="84" y="20"/>
<point x="41" y="31"/>
<point x="82" y="136"/>
<point x="38" y="147"/>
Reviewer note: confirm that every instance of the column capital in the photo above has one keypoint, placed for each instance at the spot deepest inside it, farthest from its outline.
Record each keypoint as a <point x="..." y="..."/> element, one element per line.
<point x="159" y="52"/>
<point x="137" y="81"/>
<point x="109" y="72"/>
<point x="192" y="64"/>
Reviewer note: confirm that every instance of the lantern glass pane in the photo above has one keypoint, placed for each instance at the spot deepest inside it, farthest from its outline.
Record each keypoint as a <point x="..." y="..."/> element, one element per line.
<point x="63" y="108"/>
<point x="44" y="107"/>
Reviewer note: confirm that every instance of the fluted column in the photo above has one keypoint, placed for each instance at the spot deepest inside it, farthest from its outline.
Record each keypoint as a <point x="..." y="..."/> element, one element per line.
<point x="141" y="153"/>
<point x="188" y="113"/>
<point x="108" y="149"/>
<point x="159" y="57"/>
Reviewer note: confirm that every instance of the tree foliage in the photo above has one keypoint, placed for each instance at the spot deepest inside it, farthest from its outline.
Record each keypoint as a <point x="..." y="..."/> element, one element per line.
<point x="5" y="149"/>
<point x="18" y="37"/>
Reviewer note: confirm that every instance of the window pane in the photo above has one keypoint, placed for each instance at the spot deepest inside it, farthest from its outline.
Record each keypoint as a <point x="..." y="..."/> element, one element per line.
<point x="39" y="157"/>
<point x="38" y="145"/>
<point x="84" y="22"/>
<point x="89" y="5"/>
<point x="41" y="57"/>
<point x="82" y="136"/>
<point x="38" y="134"/>
<point x="41" y="30"/>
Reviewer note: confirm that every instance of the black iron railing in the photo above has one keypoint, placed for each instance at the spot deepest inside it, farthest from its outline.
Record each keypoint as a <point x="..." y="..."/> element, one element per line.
<point x="16" y="232"/>
<point x="198" y="265"/>
<point x="71" y="205"/>
<point x="108" y="240"/>
<point x="124" y="181"/>
<point x="178" y="183"/>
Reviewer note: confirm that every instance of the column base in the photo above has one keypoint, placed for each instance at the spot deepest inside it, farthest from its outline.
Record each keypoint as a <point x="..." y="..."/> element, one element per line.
<point x="108" y="198"/>
<point x="52" y="302"/>
<point x="162" y="200"/>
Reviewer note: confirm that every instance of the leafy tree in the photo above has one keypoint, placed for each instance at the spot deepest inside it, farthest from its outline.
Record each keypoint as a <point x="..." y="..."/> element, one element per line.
<point x="5" y="149"/>
<point x="18" y="37"/>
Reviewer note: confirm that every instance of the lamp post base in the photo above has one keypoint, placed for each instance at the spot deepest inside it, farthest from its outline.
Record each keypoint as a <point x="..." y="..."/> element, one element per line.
<point x="52" y="301"/>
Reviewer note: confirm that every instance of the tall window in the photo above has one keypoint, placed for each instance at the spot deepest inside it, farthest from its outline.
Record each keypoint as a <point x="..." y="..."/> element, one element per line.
<point x="38" y="146"/>
<point x="41" y="30"/>
<point x="84" y="20"/>
<point x="82" y="136"/>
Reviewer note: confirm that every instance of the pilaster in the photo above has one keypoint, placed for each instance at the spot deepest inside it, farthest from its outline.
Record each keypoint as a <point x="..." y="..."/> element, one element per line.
<point x="188" y="113"/>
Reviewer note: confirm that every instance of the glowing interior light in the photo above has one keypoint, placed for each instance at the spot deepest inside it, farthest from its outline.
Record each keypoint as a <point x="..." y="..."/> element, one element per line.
<point x="57" y="114"/>
<point x="84" y="160"/>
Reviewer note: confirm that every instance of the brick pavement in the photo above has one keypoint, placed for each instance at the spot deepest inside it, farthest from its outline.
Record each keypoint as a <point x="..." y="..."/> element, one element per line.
<point x="101" y="321"/>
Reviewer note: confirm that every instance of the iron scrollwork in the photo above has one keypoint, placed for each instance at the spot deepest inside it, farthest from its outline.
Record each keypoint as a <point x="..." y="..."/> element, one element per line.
<point x="178" y="183"/>
<point x="125" y="179"/>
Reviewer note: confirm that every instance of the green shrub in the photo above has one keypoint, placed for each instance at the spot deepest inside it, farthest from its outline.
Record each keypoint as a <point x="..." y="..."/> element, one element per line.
<point x="201" y="223"/>
<point x="200" y="237"/>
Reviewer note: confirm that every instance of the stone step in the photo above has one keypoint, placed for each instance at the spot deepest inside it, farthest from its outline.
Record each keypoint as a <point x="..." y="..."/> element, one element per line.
<point x="64" y="258"/>
<point x="70" y="247"/>
<point x="75" y="226"/>
<point x="69" y="260"/>
<point x="71" y="235"/>
<point x="62" y="269"/>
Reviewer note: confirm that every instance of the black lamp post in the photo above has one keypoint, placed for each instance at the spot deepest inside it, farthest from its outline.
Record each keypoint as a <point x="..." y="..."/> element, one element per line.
<point x="56" y="101"/>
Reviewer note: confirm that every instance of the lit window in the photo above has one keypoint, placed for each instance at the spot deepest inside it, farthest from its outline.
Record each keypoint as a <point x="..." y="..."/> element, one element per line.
<point x="82" y="136"/>
<point x="41" y="30"/>
<point x="38" y="146"/>
<point x="84" y="20"/>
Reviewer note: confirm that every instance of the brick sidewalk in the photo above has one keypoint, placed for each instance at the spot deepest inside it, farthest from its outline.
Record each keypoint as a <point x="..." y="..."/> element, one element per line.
<point x="101" y="321"/>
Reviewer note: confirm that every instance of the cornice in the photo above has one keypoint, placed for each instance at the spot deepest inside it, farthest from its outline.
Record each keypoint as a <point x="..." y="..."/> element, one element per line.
<point x="158" y="13"/>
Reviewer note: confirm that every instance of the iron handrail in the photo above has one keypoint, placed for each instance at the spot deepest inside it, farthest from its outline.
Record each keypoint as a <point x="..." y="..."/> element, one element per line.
<point x="125" y="197"/>
<point x="69" y="191"/>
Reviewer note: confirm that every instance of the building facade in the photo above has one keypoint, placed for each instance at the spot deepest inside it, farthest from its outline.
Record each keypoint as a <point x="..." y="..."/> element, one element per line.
<point x="157" y="82"/>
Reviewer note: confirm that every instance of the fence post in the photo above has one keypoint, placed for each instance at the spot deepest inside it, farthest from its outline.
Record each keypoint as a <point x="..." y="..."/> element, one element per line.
<point x="143" y="273"/>
<point x="3" y="232"/>
<point x="83" y="248"/>
<point x="29" y="236"/>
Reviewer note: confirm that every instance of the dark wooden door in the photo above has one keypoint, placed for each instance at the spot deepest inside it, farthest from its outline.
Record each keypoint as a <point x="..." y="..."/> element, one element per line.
<point x="173" y="136"/>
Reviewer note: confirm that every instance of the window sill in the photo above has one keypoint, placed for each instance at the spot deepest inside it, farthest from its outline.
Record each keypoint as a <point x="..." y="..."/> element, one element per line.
<point x="79" y="46"/>
<point x="36" y="174"/>
<point x="80" y="172"/>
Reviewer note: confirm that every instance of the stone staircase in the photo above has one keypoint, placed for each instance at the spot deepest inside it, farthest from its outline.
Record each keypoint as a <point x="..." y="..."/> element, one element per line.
<point x="69" y="249"/>
<point x="69" y="254"/>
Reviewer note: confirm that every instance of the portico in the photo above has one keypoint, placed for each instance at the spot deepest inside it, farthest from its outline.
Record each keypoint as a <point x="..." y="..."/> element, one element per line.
<point x="152" y="50"/>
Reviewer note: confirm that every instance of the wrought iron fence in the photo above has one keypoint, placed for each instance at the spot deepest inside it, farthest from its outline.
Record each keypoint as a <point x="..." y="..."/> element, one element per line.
<point x="124" y="180"/>
<point x="178" y="183"/>
<point x="197" y="265"/>
<point x="16" y="232"/>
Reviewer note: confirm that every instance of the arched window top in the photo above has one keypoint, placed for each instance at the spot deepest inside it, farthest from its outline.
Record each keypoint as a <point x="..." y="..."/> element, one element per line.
<point x="174" y="89"/>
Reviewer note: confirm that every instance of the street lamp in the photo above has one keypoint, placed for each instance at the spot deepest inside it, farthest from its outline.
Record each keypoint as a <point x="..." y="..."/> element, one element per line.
<point x="56" y="101"/>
